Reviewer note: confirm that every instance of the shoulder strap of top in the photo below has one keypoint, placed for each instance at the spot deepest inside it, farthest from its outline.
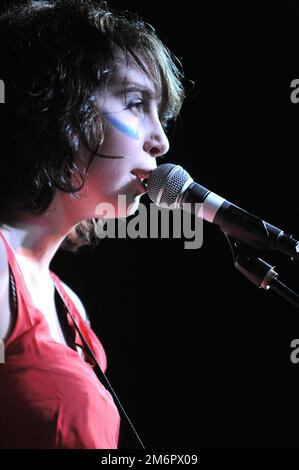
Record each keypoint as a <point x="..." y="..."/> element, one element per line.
<point x="64" y="296"/>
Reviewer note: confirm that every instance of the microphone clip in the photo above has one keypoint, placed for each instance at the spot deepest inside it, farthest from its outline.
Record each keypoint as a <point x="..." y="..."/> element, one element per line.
<point x="247" y="262"/>
<point x="258" y="271"/>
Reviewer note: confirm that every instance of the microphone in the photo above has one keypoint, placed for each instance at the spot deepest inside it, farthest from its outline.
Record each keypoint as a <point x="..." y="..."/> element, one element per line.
<point x="172" y="187"/>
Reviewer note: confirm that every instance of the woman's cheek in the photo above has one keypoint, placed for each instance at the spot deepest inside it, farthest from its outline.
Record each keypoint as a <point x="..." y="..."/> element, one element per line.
<point x="121" y="133"/>
<point x="126" y="127"/>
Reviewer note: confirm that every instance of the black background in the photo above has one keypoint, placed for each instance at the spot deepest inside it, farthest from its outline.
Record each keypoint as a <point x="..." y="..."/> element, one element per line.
<point x="198" y="355"/>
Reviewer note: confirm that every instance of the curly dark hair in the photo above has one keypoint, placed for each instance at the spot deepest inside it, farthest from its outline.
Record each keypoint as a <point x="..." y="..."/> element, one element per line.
<point x="55" y="55"/>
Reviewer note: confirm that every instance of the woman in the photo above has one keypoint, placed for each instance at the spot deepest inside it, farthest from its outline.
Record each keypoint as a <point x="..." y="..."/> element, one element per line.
<point x="88" y="94"/>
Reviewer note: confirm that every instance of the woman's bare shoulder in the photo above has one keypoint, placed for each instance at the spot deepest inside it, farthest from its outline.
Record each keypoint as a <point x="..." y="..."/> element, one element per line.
<point x="77" y="301"/>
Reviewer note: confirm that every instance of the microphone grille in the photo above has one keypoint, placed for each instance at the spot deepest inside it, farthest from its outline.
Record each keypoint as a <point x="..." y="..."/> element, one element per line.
<point x="166" y="183"/>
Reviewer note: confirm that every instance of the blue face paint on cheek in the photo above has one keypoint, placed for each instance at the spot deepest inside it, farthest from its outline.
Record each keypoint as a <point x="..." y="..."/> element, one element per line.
<point x="122" y="127"/>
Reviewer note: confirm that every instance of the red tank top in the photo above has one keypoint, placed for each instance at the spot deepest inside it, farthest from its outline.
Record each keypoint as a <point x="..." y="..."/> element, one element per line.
<point x="50" y="397"/>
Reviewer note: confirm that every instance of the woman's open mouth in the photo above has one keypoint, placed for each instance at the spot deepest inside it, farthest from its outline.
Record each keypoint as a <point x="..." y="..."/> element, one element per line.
<point x="141" y="176"/>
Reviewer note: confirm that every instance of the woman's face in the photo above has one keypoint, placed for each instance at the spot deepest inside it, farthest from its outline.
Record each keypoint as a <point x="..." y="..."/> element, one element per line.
<point x="133" y="138"/>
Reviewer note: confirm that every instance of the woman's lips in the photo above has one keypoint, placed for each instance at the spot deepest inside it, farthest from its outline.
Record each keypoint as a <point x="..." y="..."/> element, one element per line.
<point x="141" y="174"/>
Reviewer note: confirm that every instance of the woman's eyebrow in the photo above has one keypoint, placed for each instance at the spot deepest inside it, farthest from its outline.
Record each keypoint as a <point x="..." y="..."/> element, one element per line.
<point x="141" y="88"/>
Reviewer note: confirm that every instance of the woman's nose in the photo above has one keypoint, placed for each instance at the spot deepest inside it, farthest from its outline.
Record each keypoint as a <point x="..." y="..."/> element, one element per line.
<point x="156" y="144"/>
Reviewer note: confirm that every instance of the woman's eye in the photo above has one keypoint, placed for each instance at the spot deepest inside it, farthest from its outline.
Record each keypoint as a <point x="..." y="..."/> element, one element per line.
<point x="136" y="105"/>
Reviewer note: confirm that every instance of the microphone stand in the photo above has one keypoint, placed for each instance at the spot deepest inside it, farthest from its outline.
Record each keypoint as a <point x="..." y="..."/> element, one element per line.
<point x="258" y="271"/>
